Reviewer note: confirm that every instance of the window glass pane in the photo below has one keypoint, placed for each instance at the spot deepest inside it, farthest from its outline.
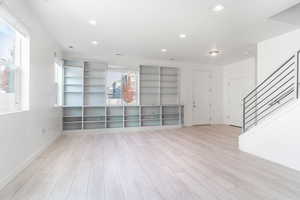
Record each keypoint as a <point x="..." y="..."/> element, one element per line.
<point x="8" y="39"/>
<point x="12" y="52"/>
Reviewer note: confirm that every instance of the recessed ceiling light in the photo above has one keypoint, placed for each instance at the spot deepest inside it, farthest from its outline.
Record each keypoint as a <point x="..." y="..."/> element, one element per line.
<point x="164" y="50"/>
<point x="95" y="43"/>
<point x="182" y="35"/>
<point x="218" y="8"/>
<point x="93" y="22"/>
<point x="214" y="52"/>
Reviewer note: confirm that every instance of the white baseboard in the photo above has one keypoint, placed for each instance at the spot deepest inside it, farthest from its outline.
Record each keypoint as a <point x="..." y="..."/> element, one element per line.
<point x="6" y="180"/>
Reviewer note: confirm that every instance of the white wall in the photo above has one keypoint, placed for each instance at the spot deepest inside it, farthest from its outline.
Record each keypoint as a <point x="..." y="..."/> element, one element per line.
<point x="274" y="52"/>
<point x="244" y="71"/>
<point x="277" y="138"/>
<point x="23" y="135"/>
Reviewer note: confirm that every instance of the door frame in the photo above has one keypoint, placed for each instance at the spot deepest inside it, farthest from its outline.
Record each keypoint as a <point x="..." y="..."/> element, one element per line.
<point x="210" y="96"/>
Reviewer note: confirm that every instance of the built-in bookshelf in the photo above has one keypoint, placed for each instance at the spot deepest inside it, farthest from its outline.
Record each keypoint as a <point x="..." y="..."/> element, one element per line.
<point x="94" y="84"/>
<point x="159" y="85"/>
<point x="101" y="117"/>
<point x="168" y="85"/>
<point x="85" y="106"/>
<point x="149" y="85"/>
<point x="132" y="116"/>
<point x="94" y="117"/>
<point x="73" y="83"/>
<point x="84" y="95"/>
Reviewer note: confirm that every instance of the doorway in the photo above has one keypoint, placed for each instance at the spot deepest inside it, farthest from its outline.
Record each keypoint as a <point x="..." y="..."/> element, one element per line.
<point x="201" y="101"/>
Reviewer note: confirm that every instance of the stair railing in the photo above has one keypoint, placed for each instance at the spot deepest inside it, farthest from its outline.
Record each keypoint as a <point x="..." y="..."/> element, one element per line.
<point x="278" y="89"/>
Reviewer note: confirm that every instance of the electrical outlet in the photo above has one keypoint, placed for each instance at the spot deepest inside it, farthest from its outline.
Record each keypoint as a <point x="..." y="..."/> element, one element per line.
<point x="44" y="131"/>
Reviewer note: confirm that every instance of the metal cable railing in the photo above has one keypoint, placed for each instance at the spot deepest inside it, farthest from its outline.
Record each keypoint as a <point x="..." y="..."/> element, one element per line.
<point x="274" y="92"/>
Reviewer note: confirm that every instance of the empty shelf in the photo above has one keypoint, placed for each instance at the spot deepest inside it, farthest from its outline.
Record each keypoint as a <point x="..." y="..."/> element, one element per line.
<point x="146" y="73"/>
<point x="72" y="92"/>
<point x="73" y="122"/>
<point x="94" y="121"/>
<point x="175" y="93"/>
<point x="93" y="77"/>
<point x="94" y="92"/>
<point x="149" y="80"/>
<point x="73" y="76"/>
<point x="94" y="85"/>
<point x="169" y="81"/>
<point x="72" y="84"/>
<point x="169" y="75"/>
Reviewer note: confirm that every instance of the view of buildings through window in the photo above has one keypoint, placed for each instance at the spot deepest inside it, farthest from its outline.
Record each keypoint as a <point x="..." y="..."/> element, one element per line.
<point x="12" y="46"/>
<point x="8" y="41"/>
<point x="121" y="88"/>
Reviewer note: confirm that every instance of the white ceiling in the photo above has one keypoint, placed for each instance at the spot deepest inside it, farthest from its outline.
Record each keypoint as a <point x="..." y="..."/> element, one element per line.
<point x="141" y="28"/>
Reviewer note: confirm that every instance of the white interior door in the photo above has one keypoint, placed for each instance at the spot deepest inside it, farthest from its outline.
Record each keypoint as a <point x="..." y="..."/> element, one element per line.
<point x="237" y="90"/>
<point x="201" y="97"/>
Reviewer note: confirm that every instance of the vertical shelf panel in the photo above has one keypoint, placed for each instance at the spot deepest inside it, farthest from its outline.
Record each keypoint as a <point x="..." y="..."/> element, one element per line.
<point x="94" y="117"/>
<point x="169" y="85"/>
<point x="115" y="117"/>
<point x="151" y="116"/>
<point x="73" y="95"/>
<point x="171" y="115"/>
<point x="73" y="76"/>
<point x="132" y="116"/>
<point x="94" y="84"/>
<point x="149" y="85"/>
<point x="72" y="118"/>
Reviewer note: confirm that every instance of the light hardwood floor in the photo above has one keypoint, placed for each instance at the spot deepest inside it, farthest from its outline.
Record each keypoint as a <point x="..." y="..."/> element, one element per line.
<point x="170" y="164"/>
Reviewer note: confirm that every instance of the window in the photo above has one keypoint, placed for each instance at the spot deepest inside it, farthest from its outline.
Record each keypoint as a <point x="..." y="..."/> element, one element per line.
<point x="121" y="87"/>
<point x="13" y="58"/>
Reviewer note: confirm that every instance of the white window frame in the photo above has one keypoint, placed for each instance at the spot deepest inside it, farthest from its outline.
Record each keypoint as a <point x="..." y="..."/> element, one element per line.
<point x="22" y="63"/>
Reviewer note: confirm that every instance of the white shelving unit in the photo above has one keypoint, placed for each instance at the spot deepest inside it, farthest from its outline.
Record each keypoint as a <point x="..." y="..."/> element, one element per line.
<point x="159" y="85"/>
<point x="169" y="86"/>
<point x="149" y="85"/>
<point x="115" y="117"/>
<point x="94" y="84"/>
<point x="85" y="98"/>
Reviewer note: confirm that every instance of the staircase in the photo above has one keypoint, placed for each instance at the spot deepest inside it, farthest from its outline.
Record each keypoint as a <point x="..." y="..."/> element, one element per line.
<point x="277" y="90"/>
<point x="271" y="117"/>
